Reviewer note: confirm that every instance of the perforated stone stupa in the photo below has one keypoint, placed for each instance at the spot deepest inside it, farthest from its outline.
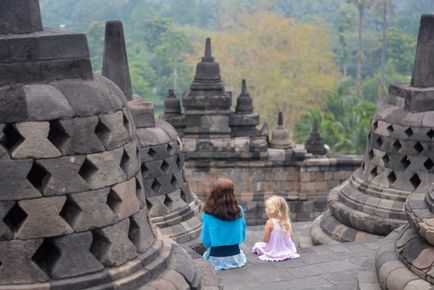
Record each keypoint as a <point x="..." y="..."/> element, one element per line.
<point x="73" y="209"/>
<point x="398" y="158"/>
<point x="406" y="258"/>
<point x="171" y="204"/>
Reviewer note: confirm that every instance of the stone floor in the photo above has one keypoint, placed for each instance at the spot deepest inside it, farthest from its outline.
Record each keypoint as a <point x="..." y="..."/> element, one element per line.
<point x="333" y="267"/>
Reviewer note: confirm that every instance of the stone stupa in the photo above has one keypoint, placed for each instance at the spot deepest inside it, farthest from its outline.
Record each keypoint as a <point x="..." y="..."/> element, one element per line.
<point x="405" y="259"/>
<point x="73" y="208"/>
<point x="398" y="159"/>
<point x="171" y="205"/>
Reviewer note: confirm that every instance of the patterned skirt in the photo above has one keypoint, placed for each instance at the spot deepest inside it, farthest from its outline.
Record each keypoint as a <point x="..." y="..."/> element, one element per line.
<point x="224" y="263"/>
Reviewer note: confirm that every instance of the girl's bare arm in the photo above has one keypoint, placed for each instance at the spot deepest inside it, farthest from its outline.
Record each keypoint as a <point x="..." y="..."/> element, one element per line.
<point x="267" y="231"/>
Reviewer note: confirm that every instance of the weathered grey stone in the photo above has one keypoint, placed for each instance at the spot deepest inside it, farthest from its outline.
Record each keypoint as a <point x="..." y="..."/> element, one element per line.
<point x="63" y="175"/>
<point x="103" y="169"/>
<point x="47" y="46"/>
<point x="35" y="142"/>
<point x="142" y="112"/>
<point x="130" y="160"/>
<point x="13" y="104"/>
<point x="123" y="199"/>
<point x="45" y="102"/>
<point x="17" y="264"/>
<point x="423" y="69"/>
<point x="6" y="221"/>
<point x="115" y="61"/>
<point x="152" y="136"/>
<point x="74" y="256"/>
<point x="172" y="105"/>
<point x="88" y="210"/>
<point x="139" y="231"/>
<point x="45" y="71"/>
<point x="116" y="134"/>
<point x="89" y="98"/>
<point x="157" y="206"/>
<point x="111" y="244"/>
<point x="20" y="16"/>
<point x="280" y="137"/>
<point x="77" y="135"/>
<point x="14" y="183"/>
<point x="40" y="213"/>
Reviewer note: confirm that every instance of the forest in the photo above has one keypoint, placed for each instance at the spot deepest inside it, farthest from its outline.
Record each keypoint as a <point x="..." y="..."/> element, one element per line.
<point x="330" y="60"/>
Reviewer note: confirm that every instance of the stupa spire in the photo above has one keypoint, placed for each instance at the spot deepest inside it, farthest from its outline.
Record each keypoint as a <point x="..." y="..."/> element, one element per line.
<point x="244" y="101"/>
<point x="423" y="70"/>
<point x="115" y="62"/>
<point x="208" y="51"/>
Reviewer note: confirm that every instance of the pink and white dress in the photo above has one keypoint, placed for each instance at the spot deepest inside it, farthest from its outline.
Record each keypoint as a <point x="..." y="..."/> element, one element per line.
<point x="279" y="247"/>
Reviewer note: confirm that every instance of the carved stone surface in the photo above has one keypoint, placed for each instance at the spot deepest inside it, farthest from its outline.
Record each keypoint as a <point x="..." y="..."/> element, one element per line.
<point x="72" y="207"/>
<point x="280" y="137"/>
<point x="162" y="171"/>
<point x="314" y="143"/>
<point x="115" y="63"/>
<point x="397" y="160"/>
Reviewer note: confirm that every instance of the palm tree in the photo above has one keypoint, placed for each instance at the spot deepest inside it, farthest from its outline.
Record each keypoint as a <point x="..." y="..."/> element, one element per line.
<point x="361" y="5"/>
<point x="384" y="8"/>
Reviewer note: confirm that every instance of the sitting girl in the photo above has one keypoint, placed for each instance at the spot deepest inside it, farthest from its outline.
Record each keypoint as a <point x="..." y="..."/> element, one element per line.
<point x="223" y="227"/>
<point x="277" y="244"/>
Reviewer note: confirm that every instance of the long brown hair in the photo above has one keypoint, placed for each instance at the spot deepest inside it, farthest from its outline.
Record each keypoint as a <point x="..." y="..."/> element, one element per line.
<point x="221" y="201"/>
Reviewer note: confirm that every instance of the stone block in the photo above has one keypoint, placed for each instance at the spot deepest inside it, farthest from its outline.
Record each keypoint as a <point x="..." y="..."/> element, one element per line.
<point x="88" y="210"/>
<point x="45" y="71"/>
<point x="35" y="143"/>
<point x="168" y="128"/>
<point x="158" y="168"/>
<point x="156" y="206"/>
<point x="13" y="104"/>
<point x="112" y="246"/>
<point x="40" y="213"/>
<point x="123" y="200"/>
<point x="130" y="160"/>
<point x="103" y="169"/>
<point x="142" y="113"/>
<point x="45" y="102"/>
<point x="152" y="136"/>
<point x="154" y="152"/>
<point x="88" y="98"/>
<point x="14" y="180"/>
<point x="20" y="16"/>
<point x="5" y="220"/>
<point x="116" y="133"/>
<point x="63" y="175"/>
<point x="141" y="232"/>
<point x="99" y="280"/>
<point x="176" y="279"/>
<point x="18" y="266"/>
<point x="74" y="257"/>
<point x="77" y="135"/>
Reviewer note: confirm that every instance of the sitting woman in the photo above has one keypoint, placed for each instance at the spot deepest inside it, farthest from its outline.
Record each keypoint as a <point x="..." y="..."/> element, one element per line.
<point x="223" y="227"/>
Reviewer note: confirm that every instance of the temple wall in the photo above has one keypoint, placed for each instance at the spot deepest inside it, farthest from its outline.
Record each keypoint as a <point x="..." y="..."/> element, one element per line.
<point x="304" y="184"/>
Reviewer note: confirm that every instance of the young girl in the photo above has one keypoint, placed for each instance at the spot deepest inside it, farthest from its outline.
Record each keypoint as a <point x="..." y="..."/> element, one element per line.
<point x="277" y="244"/>
<point x="223" y="227"/>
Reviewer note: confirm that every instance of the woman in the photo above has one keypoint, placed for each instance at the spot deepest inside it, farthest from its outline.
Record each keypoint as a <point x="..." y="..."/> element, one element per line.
<point x="223" y="227"/>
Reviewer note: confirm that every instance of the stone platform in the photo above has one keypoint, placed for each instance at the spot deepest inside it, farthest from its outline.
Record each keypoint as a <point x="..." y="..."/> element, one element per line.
<point x="330" y="267"/>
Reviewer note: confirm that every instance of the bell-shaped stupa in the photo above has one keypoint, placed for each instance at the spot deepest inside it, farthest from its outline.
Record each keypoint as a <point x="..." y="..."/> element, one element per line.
<point x="398" y="158"/>
<point x="73" y="208"/>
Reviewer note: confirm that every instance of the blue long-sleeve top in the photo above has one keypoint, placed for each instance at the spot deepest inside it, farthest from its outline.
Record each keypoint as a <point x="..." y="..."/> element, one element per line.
<point x="217" y="232"/>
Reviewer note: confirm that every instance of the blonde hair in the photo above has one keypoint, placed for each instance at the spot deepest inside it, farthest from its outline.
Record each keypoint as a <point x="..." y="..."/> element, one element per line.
<point x="279" y="209"/>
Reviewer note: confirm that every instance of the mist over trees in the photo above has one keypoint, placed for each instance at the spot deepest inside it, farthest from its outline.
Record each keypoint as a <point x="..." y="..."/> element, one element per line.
<point x="331" y="59"/>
